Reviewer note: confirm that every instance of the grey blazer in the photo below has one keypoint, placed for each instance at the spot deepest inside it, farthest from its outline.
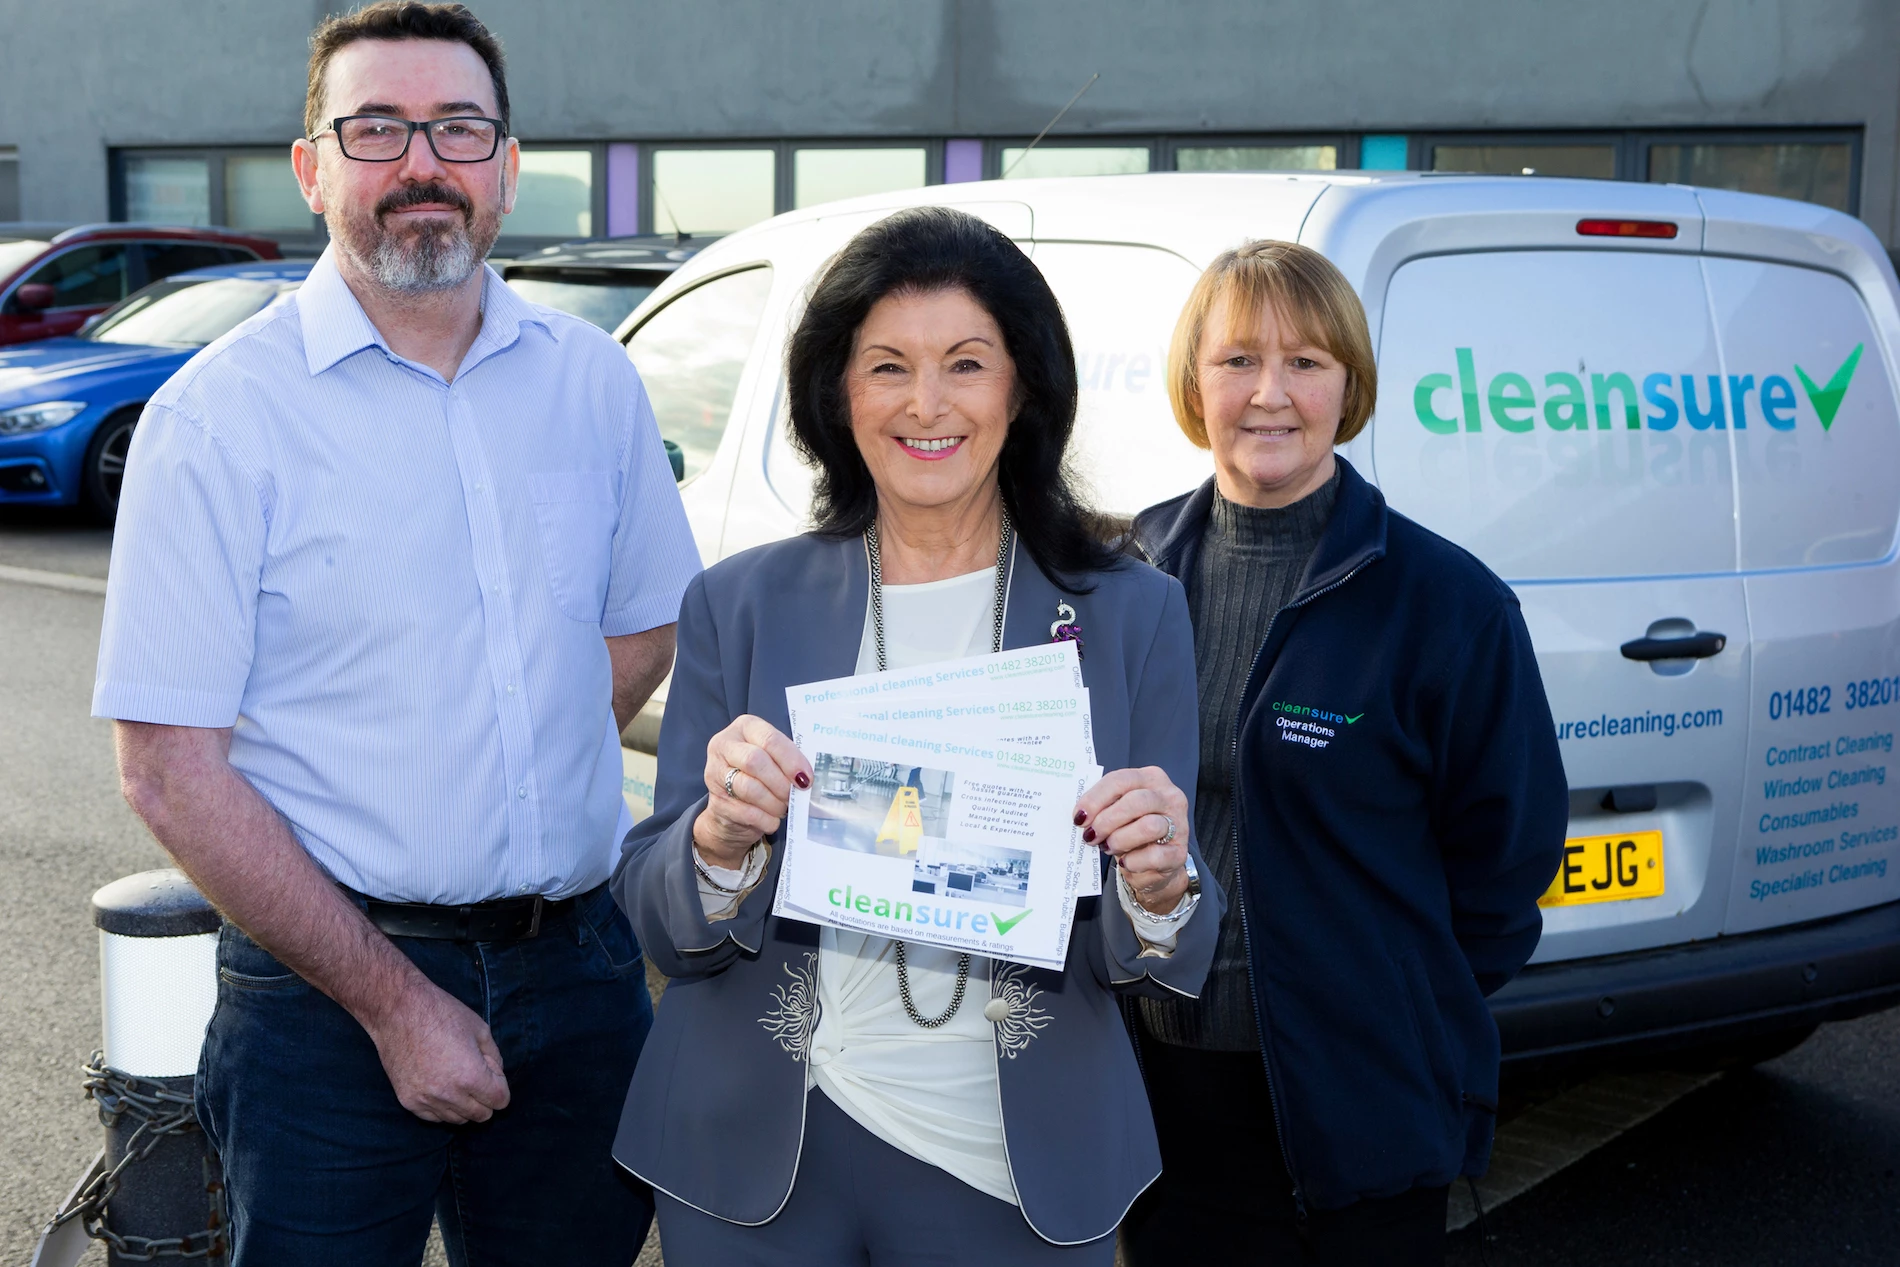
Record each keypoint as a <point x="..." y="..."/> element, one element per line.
<point x="715" y="1116"/>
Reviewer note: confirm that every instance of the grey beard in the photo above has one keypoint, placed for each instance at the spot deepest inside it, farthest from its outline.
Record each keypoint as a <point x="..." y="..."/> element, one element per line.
<point x="429" y="261"/>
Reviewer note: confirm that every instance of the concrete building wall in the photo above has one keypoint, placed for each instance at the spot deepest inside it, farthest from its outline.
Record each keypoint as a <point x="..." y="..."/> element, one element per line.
<point x="84" y="76"/>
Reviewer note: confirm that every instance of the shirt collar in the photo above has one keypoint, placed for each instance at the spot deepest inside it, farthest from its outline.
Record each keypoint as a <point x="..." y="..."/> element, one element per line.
<point x="335" y="325"/>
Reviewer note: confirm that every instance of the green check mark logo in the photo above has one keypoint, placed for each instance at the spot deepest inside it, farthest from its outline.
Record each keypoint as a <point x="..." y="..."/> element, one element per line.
<point x="1827" y="400"/>
<point x="1355" y="717"/>
<point x="1004" y="925"/>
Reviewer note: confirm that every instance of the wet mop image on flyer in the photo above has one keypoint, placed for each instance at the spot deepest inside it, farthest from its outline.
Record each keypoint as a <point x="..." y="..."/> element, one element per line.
<point x="937" y="816"/>
<point x="874" y="807"/>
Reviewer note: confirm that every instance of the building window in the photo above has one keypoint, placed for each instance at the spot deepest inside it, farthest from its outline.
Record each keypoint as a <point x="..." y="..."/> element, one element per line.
<point x="1533" y="159"/>
<point x="826" y="175"/>
<point x="260" y="192"/>
<point x="554" y="197"/>
<point x="713" y="190"/>
<point x="9" y="183"/>
<point x="160" y="190"/>
<point x="1821" y="173"/>
<point x="1256" y="158"/>
<point x="1018" y="162"/>
<point x="253" y="189"/>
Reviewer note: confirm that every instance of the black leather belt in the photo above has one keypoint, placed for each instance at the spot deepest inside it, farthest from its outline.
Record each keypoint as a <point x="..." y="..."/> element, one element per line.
<point x="506" y="919"/>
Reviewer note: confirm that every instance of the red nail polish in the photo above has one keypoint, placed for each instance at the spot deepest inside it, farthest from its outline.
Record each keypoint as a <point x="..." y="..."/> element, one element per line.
<point x="802" y="779"/>
<point x="1089" y="835"/>
<point x="1081" y="816"/>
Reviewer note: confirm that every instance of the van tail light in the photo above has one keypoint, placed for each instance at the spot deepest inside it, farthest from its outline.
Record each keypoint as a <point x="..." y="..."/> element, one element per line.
<point x="1627" y="228"/>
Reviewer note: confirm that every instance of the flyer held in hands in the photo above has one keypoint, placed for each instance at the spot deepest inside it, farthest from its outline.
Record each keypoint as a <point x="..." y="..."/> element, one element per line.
<point x="941" y="808"/>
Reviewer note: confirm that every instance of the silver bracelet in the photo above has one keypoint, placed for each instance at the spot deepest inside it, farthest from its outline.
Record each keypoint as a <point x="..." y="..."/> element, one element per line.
<point x="745" y="867"/>
<point x="1182" y="908"/>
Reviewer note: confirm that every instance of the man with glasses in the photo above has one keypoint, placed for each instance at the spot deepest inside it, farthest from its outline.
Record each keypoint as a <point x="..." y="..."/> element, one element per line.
<point x="396" y="560"/>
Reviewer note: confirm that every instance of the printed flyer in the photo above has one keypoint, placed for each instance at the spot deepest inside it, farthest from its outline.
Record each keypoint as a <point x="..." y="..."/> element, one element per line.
<point x="941" y="811"/>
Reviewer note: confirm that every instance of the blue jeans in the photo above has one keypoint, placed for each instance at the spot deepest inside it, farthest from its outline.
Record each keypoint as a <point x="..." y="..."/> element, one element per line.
<point x="324" y="1166"/>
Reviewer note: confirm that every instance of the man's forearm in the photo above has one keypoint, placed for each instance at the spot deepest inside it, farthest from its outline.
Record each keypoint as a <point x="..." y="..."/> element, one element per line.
<point x="243" y="857"/>
<point x="640" y="662"/>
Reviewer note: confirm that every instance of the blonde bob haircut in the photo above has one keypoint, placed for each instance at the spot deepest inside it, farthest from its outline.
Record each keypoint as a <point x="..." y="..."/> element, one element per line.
<point x="1312" y="300"/>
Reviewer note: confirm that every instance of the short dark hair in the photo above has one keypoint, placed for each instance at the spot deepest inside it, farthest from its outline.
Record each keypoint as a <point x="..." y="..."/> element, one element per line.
<point x="920" y="251"/>
<point x="400" y="20"/>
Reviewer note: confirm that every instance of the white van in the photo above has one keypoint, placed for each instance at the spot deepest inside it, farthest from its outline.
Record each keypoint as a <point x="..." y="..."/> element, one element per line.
<point x="1665" y="415"/>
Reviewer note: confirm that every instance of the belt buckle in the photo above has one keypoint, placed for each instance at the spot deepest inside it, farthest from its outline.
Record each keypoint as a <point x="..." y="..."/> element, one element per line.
<point x="534" y="919"/>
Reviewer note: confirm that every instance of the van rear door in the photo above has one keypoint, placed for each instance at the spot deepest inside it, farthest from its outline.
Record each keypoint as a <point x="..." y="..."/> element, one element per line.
<point x="1552" y="411"/>
<point x="1816" y="433"/>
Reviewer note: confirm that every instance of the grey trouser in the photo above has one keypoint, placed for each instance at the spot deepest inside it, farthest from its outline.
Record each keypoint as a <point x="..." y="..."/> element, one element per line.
<point x="858" y="1202"/>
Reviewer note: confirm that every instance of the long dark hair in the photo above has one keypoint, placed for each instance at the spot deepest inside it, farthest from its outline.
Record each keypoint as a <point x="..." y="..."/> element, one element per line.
<point x="918" y="251"/>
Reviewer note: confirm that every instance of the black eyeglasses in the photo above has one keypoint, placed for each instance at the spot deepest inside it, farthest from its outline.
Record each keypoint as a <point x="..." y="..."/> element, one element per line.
<point x="378" y="138"/>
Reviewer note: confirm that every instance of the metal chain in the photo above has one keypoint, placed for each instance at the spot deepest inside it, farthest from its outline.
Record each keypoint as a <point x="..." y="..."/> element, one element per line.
<point x="883" y="665"/>
<point x="159" y="1112"/>
<point x="910" y="1007"/>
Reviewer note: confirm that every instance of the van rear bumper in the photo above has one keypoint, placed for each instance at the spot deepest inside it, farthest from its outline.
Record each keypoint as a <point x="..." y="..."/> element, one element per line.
<point x="1729" y="988"/>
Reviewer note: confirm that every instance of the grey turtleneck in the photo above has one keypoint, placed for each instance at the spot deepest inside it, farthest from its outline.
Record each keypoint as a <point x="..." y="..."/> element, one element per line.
<point x="1251" y="563"/>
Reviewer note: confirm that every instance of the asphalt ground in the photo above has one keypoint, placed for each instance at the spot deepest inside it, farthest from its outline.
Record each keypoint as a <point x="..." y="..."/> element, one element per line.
<point x="1791" y="1162"/>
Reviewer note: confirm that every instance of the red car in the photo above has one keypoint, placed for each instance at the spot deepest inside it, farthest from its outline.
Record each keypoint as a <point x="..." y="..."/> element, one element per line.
<point x="50" y="285"/>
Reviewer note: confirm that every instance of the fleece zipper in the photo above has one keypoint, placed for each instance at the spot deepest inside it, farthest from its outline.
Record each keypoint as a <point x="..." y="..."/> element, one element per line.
<point x="1240" y="890"/>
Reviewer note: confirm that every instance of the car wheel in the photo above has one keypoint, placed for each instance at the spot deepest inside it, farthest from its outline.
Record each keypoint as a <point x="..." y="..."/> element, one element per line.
<point x="105" y="463"/>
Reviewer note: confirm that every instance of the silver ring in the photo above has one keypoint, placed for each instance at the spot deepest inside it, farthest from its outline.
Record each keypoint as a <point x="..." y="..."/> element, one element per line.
<point x="729" y="773"/>
<point x="1168" y="838"/>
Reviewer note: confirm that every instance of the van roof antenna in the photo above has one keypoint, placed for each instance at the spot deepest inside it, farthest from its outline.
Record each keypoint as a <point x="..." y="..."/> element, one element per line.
<point x="1045" y="132"/>
<point x="679" y="234"/>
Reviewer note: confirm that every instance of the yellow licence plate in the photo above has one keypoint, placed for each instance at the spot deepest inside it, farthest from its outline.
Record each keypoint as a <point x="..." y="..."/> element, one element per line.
<point x="1607" y="869"/>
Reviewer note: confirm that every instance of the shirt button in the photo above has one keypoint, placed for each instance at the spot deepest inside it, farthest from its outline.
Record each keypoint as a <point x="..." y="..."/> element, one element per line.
<point x="479" y="487"/>
<point x="821" y="1055"/>
<point x="524" y="888"/>
<point x="511" y="688"/>
<point x="522" y="791"/>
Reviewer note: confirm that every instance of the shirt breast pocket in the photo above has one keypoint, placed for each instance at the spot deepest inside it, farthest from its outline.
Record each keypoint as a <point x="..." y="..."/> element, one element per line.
<point x="577" y="514"/>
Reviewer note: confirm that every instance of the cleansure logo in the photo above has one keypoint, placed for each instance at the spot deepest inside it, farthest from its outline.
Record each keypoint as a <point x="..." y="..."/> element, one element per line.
<point x="1710" y="402"/>
<point x="928" y="915"/>
<point x="1317" y="714"/>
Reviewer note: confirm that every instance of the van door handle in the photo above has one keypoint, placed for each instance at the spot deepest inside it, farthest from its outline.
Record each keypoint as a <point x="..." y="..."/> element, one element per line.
<point x="1696" y="646"/>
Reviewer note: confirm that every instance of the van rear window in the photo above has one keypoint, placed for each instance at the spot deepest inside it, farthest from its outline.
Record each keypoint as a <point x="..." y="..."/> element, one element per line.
<point x="1561" y="414"/>
<point x="1818" y="459"/>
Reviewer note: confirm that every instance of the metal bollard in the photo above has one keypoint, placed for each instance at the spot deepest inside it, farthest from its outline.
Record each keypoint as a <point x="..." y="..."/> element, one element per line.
<point x="155" y="1192"/>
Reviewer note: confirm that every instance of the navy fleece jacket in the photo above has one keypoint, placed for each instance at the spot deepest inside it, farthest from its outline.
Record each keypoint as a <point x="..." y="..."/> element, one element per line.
<point x="1400" y="806"/>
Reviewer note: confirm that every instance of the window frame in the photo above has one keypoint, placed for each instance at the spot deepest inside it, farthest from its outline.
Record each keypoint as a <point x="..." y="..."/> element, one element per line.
<point x="10" y="159"/>
<point x="994" y="146"/>
<point x="1632" y="145"/>
<point x="518" y="244"/>
<point x="781" y="180"/>
<point x="1423" y="145"/>
<point x="787" y="164"/>
<point x="1854" y="138"/>
<point x="1345" y="145"/>
<point x="217" y="210"/>
<point x="784" y="151"/>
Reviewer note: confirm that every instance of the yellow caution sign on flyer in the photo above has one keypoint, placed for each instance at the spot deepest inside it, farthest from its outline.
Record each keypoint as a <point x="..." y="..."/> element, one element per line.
<point x="905" y="823"/>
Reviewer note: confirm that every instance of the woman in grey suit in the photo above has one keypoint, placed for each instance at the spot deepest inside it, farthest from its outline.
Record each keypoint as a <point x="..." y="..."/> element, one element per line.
<point x="815" y="1096"/>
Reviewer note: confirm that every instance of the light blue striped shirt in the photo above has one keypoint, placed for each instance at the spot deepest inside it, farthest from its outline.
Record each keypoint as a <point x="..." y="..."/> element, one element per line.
<point x="395" y="588"/>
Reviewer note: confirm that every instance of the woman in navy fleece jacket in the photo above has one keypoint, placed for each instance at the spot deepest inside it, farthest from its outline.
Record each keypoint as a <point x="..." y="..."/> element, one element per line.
<point x="1380" y="795"/>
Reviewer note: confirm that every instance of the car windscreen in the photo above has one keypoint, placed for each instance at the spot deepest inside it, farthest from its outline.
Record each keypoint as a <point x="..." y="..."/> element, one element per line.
<point x="17" y="251"/>
<point x="186" y="312"/>
<point x="605" y="304"/>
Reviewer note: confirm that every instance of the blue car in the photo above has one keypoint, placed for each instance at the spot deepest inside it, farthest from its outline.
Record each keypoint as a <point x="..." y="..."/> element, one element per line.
<point x="68" y="407"/>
